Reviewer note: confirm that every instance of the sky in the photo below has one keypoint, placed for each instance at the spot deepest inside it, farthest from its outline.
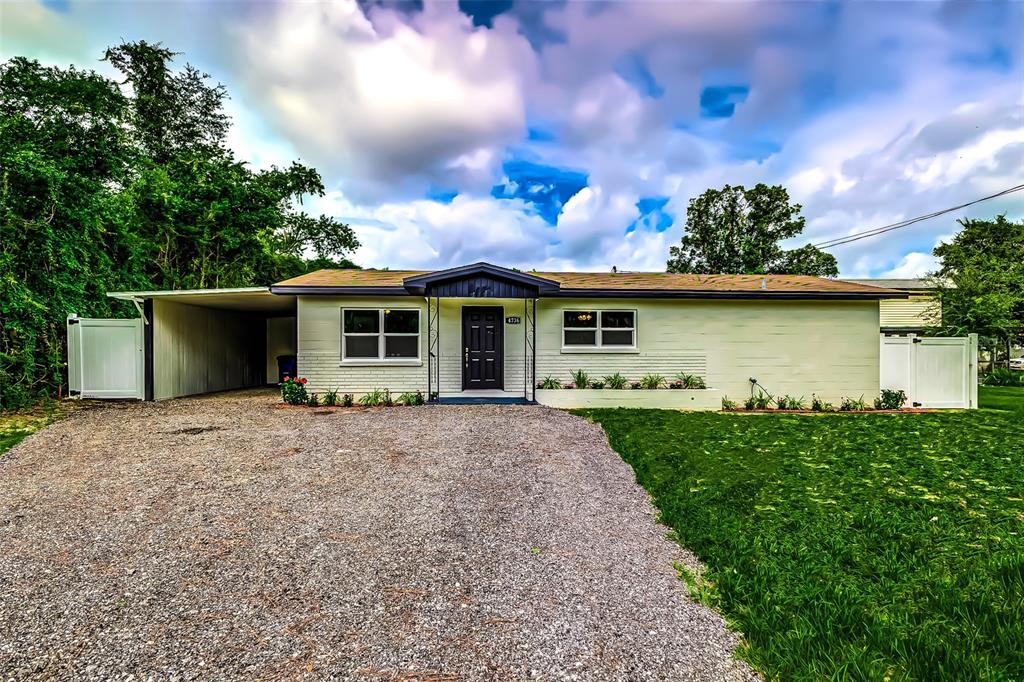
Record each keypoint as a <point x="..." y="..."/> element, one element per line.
<point x="571" y="135"/>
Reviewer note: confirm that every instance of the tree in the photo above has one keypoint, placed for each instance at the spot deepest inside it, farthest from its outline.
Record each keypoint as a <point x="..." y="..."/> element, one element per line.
<point x="106" y="187"/>
<point x="981" y="281"/>
<point x="737" y="231"/>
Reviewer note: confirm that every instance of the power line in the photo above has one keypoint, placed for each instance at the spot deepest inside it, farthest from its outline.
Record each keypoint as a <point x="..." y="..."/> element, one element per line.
<point x="839" y="241"/>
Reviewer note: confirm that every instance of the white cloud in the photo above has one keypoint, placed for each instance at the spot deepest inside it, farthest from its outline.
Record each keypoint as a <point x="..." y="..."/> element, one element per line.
<point x="914" y="264"/>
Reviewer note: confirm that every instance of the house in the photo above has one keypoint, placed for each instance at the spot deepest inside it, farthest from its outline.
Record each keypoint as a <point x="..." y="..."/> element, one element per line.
<point x="483" y="331"/>
<point x="914" y="314"/>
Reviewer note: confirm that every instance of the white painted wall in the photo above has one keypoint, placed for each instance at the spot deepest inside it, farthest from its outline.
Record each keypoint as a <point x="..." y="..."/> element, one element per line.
<point x="797" y="347"/>
<point x="200" y="350"/>
<point x="282" y="339"/>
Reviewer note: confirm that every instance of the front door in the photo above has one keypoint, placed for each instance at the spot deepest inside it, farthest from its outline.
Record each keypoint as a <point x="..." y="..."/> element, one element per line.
<point x="483" y="348"/>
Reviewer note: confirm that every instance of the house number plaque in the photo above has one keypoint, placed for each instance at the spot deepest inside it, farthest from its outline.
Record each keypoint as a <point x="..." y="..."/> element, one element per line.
<point x="514" y="319"/>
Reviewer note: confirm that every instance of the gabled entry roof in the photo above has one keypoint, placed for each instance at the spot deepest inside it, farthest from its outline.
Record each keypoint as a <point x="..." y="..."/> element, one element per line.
<point x="574" y="284"/>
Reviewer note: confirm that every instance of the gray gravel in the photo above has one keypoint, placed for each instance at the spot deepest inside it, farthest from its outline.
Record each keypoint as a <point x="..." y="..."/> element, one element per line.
<point x="228" y="537"/>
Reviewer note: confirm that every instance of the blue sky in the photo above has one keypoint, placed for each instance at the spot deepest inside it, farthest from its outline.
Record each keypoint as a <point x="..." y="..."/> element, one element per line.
<point x="572" y="134"/>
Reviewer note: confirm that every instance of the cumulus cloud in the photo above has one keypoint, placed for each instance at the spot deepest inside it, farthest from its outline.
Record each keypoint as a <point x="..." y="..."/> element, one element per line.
<point x="539" y="134"/>
<point x="387" y="102"/>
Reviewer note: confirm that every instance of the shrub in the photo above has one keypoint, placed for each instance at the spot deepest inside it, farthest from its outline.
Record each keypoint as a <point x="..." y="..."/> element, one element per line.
<point x="729" y="404"/>
<point x="313" y="400"/>
<point x="691" y="381"/>
<point x="580" y="378"/>
<point x="347" y="400"/>
<point x="597" y="384"/>
<point x="410" y="399"/>
<point x="549" y="383"/>
<point x="1001" y="376"/>
<point x="616" y="381"/>
<point x="330" y="398"/>
<point x="293" y="391"/>
<point x="374" y="398"/>
<point x="636" y="385"/>
<point x="852" y="404"/>
<point x="387" y="400"/>
<point x="788" y="402"/>
<point x="819" y="405"/>
<point x="652" y="381"/>
<point x="677" y="384"/>
<point x="891" y="399"/>
<point x="762" y="401"/>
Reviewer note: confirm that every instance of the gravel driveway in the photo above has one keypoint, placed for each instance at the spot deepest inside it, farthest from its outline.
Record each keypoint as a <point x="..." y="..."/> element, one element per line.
<point x="228" y="537"/>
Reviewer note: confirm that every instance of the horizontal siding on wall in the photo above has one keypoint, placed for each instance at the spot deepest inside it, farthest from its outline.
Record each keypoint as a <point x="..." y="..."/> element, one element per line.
<point x="916" y="311"/>
<point x="796" y="347"/>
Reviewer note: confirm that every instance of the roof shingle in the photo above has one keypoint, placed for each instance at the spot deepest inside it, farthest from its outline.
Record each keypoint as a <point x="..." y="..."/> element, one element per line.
<point x="609" y="281"/>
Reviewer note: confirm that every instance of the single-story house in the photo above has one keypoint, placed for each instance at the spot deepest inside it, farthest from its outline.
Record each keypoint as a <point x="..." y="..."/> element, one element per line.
<point x="483" y="331"/>
<point x="919" y="311"/>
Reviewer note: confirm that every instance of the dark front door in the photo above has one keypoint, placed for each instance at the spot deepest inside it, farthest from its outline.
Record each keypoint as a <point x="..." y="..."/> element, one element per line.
<point x="483" y="348"/>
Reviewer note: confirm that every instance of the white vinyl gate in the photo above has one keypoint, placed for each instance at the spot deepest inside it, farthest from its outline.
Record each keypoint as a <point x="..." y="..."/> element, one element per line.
<point x="105" y="358"/>
<point x="933" y="371"/>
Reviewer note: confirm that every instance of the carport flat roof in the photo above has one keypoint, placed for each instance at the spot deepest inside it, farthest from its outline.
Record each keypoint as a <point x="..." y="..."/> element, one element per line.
<point x="242" y="299"/>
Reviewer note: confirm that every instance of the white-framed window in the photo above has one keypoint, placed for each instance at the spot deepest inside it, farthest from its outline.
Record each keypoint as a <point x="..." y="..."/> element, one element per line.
<point x="605" y="329"/>
<point x="380" y="334"/>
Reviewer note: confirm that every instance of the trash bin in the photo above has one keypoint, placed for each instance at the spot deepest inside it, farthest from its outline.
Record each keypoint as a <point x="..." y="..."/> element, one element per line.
<point x="285" y="367"/>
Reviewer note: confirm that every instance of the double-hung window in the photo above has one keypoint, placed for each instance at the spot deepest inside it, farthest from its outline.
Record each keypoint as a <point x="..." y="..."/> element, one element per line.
<point x="606" y="329"/>
<point x="386" y="334"/>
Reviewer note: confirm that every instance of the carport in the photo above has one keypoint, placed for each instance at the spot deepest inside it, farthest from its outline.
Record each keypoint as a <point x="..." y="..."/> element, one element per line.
<point x="206" y="340"/>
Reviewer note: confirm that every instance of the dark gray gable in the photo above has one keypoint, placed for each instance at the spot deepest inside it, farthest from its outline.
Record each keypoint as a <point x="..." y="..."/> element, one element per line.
<point x="480" y="280"/>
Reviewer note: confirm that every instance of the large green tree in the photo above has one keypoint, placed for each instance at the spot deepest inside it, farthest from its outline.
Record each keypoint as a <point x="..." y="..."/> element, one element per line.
<point x="981" y="281"/>
<point x="735" y="230"/>
<point x="129" y="184"/>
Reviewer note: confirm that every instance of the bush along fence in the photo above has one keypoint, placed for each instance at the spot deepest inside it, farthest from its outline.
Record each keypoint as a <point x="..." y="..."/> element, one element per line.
<point x="293" y="392"/>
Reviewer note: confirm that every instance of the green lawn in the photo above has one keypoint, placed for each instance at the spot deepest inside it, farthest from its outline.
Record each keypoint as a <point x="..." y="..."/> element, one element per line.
<point x="16" y="426"/>
<point x="850" y="546"/>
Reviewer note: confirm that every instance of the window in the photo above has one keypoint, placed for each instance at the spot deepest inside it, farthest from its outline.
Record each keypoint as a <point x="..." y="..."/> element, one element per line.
<point x="384" y="334"/>
<point x="599" y="329"/>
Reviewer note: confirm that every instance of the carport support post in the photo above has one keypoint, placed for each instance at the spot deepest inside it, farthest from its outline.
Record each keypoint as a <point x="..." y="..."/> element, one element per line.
<point x="147" y="345"/>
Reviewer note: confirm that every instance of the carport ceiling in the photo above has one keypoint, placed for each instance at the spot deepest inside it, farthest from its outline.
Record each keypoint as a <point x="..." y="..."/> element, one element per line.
<point x="248" y="299"/>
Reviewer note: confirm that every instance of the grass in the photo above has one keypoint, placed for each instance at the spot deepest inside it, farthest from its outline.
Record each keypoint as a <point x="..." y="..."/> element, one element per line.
<point x="17" y="426"/>
<point x="849" y="546"/>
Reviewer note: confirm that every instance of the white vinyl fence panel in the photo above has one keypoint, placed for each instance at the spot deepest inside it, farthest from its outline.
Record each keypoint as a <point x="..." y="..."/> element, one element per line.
<point x="105" y="358"/>
<point x="936" y="372"/>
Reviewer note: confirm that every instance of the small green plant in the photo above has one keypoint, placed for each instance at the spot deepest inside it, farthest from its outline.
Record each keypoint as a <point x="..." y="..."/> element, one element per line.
<point x="410" y="399"/>
<point x="852" y="404"/>
<point x="788" y="402"/>
<point x="761" y="401"/>
<point x="652" y="381"/>
<point x="729" y="404"/>
<point x="1003" y="376"/>
<point x="330" y="398"/>
<point x="691" y="381"/>
<point x="313" y="400"/>
<point x="616" y="381"/>
<point x="597" y="384"/>
<point x="819" y="405"/>
<point x="387" y="400"/>
<point x="374" y="398"/>
<point x="293" y="391"/>
<point x="891" y="399"/>
<point x="549" y="383"/>
<point x="580" y="378"/>
<point x="347" y="400"/>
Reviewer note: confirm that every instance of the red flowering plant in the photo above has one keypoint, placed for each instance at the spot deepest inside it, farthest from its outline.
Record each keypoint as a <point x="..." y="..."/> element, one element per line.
<point x="293" y="391"/>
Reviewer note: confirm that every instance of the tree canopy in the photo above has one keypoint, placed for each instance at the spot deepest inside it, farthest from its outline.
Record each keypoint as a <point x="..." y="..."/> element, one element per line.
<point x="108" y="185"/>
<point x="981" y="280"/>
<point x="735" y="230"/>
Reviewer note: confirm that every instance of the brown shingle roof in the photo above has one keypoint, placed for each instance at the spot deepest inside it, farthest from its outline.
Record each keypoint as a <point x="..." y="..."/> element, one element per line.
<point x="633" y="282"/>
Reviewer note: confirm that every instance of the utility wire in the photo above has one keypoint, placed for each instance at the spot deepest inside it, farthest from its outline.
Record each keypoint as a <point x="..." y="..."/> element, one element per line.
<point x="839" y="241"/>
